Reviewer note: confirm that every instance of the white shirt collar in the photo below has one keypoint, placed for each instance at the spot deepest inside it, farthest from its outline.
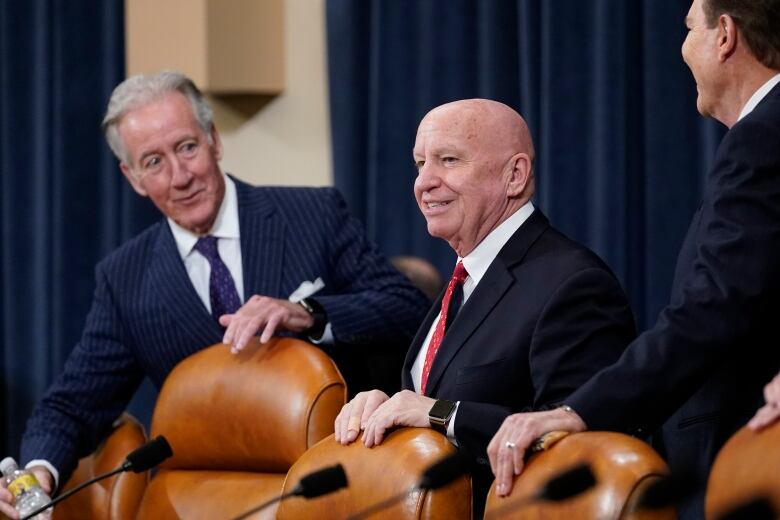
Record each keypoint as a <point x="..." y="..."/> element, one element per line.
<point x="758" y="95"/>
<point x="225" y="225"/>
<point x="478" y="261"/>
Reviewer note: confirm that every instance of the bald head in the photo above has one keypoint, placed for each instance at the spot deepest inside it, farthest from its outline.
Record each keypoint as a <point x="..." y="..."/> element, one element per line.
<point x="474" y="159"/>
<point x="497" y="128"/>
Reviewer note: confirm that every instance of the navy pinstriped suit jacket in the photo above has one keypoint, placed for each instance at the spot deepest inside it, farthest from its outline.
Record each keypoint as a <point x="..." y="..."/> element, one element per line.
<point x="146" y="316"/>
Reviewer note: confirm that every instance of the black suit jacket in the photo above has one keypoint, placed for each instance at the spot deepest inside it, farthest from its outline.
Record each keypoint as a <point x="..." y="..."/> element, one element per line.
<point x="545" y="317"/>
<point x="702" y="367"/>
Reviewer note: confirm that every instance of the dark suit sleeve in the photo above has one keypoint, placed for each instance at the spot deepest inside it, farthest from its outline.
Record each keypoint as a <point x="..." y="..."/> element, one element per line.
<point x="98" y="380"/>
<point x="371" y="301"/>
<point x="584" y="327"/>
<point x="721" y="293"/>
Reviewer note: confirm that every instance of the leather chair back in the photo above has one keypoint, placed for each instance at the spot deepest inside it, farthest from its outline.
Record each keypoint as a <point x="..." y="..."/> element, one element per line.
<point x="377" y="474"/>
<point x="117" y="497"/>
<point x="747" y="468"/>
<point x="623" y="467"/>
<point x="237" y="423"/>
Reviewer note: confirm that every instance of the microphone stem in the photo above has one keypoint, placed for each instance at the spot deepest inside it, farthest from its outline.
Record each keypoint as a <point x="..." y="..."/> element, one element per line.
<point x="74" y="491"/>
<point x="266" y="504"/>
<point x="384" y="504"/>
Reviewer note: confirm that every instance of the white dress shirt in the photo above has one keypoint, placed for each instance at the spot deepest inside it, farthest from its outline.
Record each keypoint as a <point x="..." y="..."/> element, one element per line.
<point x="476" y="263"/>
<point x="228" y="235"/>
<point x="758" y="95"/>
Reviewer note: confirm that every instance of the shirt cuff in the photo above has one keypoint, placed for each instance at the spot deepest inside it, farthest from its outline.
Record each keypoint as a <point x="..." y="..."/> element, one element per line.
<point x="327" y="337"/>
<point x="46" y="464"/>
<point x="451" y="426"/>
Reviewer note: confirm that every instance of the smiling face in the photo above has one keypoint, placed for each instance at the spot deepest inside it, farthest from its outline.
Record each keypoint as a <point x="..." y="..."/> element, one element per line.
<point x="172" y="161"/>
<point x="472" y="174"/>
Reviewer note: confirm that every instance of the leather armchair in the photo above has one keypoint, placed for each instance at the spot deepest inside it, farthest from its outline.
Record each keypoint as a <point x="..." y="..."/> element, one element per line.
<point x="117" y="497"/>
<point x="623" y="466"/>
<point x="236" y="424"/>
<point x="747" y="468"/>
<point x="377" y="474"/>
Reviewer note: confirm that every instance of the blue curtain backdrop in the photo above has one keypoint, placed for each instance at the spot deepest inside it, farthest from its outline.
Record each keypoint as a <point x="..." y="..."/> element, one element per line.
<point x="63" y="201"/>
<point x="621" y="150"/>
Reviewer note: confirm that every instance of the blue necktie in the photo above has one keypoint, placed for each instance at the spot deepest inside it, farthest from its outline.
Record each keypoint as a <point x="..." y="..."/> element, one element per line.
<point x="222" y="289"/>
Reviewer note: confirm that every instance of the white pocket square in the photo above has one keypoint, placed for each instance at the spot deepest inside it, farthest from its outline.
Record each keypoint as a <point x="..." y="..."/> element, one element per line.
<point x="306" y="289"/>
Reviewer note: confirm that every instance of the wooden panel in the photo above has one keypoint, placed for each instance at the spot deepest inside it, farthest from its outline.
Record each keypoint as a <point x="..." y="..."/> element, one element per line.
<point x="225" y="46"/>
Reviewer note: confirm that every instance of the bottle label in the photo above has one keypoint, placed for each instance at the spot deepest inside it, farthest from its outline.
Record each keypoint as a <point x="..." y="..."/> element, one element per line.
<point x="23" y="484"/>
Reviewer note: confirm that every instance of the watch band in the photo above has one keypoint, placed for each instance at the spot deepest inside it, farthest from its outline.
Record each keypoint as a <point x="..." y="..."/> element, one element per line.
<point x="317" y="312"/>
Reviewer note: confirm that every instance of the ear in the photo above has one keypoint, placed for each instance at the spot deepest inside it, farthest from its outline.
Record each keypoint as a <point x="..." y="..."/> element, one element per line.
<point x="216" y="145"/>
<point x="727" y="36"/>
<point x="132" y="179"/>
<point x="519" y="174"/>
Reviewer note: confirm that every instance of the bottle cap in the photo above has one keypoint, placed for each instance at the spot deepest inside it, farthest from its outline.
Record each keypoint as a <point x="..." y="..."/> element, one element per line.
<point x="7" y="465"/>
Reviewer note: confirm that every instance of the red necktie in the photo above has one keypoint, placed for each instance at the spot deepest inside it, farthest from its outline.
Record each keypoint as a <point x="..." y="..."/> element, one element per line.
<point x="459" y="275"/>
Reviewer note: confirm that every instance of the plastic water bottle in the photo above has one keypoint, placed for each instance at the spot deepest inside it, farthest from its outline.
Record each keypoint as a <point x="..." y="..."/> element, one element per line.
<point x="25" y="488"/>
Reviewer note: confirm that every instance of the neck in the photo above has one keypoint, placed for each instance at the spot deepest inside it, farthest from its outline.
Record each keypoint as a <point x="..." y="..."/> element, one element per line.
<point x="745" y="83"/>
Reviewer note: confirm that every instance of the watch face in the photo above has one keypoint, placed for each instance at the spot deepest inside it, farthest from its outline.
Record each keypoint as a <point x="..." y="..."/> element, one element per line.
<point x="442" y="409"/>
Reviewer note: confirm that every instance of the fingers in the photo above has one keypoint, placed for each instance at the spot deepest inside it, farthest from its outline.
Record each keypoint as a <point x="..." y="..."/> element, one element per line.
<point x="505" y="470"/>
<point x="347" y="427"/>
<point x="765" y="416"/>
<point x="6" y="503"/>
<point x="45" y="478"/>
<point x="262" y="313"/>
<point x="772" y="391"/>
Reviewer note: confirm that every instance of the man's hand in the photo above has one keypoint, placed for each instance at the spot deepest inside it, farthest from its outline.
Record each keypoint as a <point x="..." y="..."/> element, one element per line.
<point x="353" y="416"/>
<point x="507" y="449"/>
<point x="405" y="408"/>
<point x="262" y="312"/>
<point x="7" y="499"/>
<point x="770" y="412"/>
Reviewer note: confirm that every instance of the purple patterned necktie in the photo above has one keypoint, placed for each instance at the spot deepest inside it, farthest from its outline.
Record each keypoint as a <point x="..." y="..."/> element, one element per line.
<point x="222" y="288"/>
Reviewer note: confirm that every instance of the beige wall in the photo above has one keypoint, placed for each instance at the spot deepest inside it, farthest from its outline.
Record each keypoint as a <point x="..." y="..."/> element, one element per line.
<point x="286" y="141"/>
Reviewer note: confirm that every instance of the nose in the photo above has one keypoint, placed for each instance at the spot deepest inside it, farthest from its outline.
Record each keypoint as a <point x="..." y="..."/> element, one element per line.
<point x="427" y="178"/>
<point x="180" y="174"/>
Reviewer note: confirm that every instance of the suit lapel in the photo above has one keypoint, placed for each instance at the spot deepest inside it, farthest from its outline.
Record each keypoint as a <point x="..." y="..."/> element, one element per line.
<point x="169" y="277"/>
<point x="488" y="293"/>
<point x="262" y="243"/>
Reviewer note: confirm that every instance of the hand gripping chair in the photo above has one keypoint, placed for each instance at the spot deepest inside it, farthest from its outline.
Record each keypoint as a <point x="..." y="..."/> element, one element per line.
<point x="236" y="423"/>
<point x="117" y="497"/>
<point x="623" y="467"/>
<point x="746" y="469"/>
<point x="376" y="474"/>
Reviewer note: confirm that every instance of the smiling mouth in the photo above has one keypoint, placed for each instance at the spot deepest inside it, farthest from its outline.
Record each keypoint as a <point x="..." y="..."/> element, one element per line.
<point x="432" y="205"/>
<point x="188" y="198"/>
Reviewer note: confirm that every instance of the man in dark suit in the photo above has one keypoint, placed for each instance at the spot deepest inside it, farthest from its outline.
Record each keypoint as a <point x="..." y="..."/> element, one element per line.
<point x="540" y="313"/>
<point x="173" y="289"/>
<point x="701" y="368"/>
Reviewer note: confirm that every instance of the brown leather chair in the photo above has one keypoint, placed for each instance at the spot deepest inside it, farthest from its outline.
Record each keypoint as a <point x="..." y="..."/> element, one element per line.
<point x="377" y="474"/>
<point x="746" y="468"/>
<point x="117" y="497"/>
<point x="623" y="467"/>
<point x="236" y="424"/>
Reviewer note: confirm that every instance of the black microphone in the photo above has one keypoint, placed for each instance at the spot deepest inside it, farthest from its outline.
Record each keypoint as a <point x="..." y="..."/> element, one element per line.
<point x="441" y="473"/>
<point x="147" y="456"/>
<point x="322" y="482"/>
<point x="437" y="475"/>
<point x="669" y="490"/>
<point x="568" y="484"/>
<point x="315" y="484"/>
<point x="562" y="486"/>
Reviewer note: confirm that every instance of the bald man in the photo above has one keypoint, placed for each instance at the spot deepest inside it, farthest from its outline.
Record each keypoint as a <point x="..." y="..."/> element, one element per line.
<point x="529" y="314"/>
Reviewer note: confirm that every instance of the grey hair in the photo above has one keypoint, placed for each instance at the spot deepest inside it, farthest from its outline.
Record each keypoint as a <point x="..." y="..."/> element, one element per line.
<point x="140" y="90"/>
